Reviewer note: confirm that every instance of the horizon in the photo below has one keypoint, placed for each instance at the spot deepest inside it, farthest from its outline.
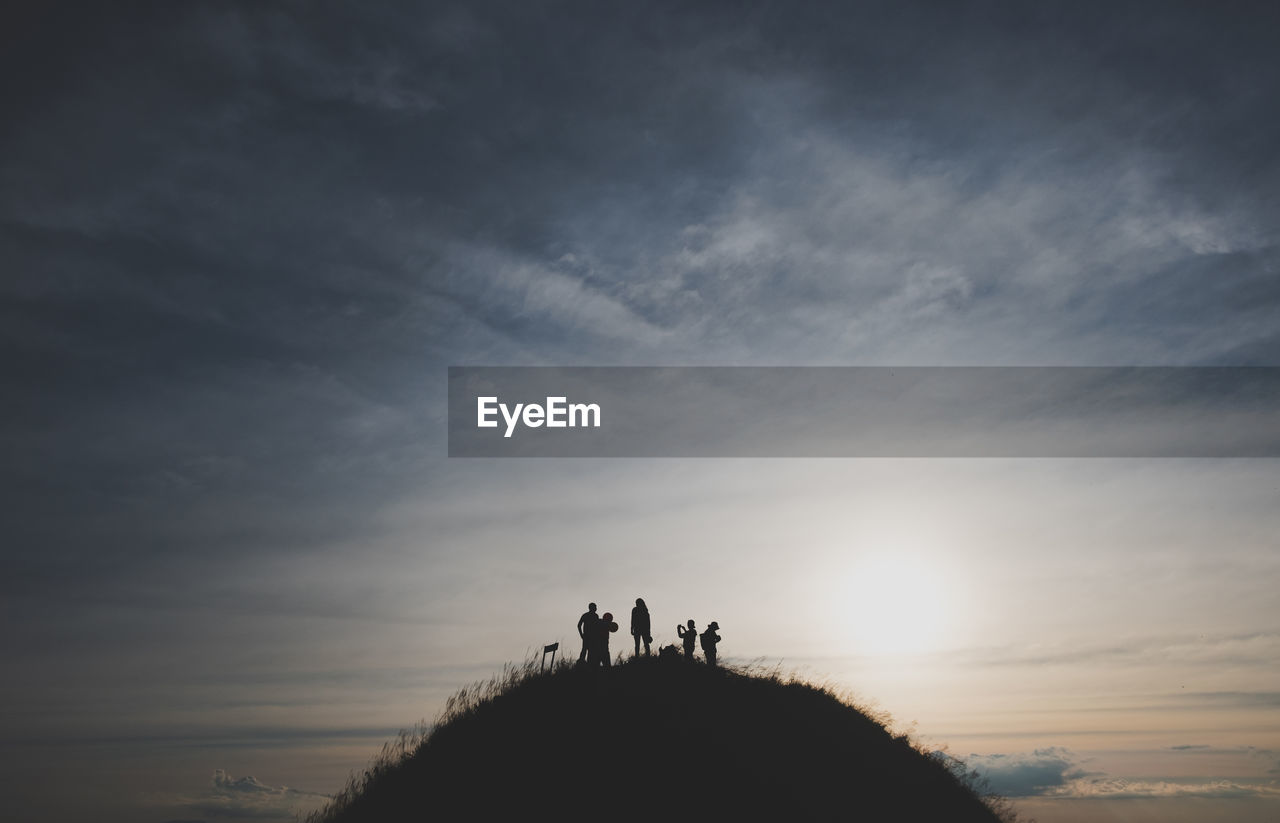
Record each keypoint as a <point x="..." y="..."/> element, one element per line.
<point x="246" y="247"/>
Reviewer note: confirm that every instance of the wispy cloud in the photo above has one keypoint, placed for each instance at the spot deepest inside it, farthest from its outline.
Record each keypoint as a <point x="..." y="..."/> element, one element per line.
<point x="1246" y="648"/>
<point x="1120" y="788"/>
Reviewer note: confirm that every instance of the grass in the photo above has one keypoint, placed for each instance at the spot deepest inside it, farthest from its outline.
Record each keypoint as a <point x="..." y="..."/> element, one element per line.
<point x="655" y="738"/>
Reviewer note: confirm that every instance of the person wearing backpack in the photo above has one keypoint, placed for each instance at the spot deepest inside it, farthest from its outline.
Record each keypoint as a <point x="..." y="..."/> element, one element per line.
<point x="709" y="641"/>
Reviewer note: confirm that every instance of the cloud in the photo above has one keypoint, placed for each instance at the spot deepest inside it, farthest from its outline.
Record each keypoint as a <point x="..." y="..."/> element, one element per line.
<point x="249" y="798"/>
<point x="245" y="242"/>
<point x="1203" y="649"/>
<point x="1060" y="772"/>
<point x="1269" y="758"/>
<point x="1121" y="788"/>
<point x="1043" y="771"/>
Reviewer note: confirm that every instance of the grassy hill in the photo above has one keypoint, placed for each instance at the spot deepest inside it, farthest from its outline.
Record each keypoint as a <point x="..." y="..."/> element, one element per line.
<point x="657" y="739"/>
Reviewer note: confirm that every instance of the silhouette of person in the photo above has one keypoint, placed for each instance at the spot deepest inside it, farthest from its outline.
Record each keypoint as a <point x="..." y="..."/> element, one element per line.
<point x="689" y="636"/>
<point x="588" y="626"/>
<point x="640" y="625"/>
<point x="709" y="641"/>
<point x="599" y="655"/>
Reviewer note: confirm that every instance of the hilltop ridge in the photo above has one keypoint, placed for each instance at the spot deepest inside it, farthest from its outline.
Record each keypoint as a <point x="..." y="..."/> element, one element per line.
<point x="658" y="739"/>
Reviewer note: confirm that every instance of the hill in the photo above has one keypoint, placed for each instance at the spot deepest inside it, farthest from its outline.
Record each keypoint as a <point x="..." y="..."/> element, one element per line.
<point x="657" y="739"/>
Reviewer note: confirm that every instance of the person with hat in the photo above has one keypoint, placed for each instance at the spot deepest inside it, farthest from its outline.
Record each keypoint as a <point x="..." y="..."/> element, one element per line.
<point x="709" y="641"/>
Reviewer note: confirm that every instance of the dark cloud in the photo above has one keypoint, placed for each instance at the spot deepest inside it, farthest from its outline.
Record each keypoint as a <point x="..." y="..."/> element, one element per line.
<point x="244" y="239"/>
<point x="1043" y="771"/>
<point x="1058" y="772"/>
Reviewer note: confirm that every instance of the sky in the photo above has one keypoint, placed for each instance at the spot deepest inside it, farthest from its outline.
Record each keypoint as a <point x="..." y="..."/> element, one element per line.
<point x="241" y="244"/>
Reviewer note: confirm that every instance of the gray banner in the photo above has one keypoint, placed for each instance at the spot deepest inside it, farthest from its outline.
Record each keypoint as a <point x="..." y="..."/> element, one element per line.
<point x="863" y="412"/>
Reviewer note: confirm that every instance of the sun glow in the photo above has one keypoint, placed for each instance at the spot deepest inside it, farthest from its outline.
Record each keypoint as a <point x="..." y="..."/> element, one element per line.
<point x="895" y="603"/>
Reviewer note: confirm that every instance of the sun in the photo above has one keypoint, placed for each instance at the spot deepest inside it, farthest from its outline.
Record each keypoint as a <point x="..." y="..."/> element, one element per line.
<point x="895" y="603"/>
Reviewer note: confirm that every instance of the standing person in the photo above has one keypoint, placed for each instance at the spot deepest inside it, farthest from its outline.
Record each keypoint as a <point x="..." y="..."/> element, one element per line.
<point x="709" y="641"/>
<point x="588" y="625"/>
<point x="640" y="625"/>
<point x="689" y="636"/>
